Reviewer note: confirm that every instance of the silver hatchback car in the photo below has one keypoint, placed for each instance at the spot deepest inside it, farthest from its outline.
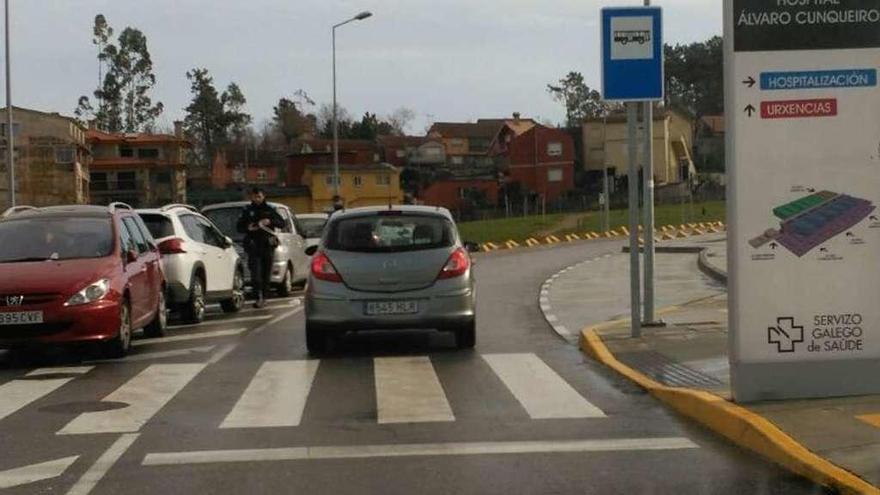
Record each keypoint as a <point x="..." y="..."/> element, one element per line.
<point x="394" y="267"/>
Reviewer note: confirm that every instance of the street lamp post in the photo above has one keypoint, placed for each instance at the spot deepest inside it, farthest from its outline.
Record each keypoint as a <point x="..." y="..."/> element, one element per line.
<point x="10" y="144"/>
<point x="359" y="17"/>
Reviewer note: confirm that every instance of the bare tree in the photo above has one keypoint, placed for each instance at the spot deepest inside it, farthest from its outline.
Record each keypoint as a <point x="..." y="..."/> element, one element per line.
<point x="400" y="120"/>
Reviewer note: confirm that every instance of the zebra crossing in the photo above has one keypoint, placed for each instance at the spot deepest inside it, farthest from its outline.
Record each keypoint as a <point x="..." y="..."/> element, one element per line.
<point x="407" y="390"/>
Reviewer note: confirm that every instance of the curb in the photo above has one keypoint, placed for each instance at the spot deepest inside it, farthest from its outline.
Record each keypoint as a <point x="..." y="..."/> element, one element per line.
<point x="703" y="262"/>
<point x="737" y="424"/>
<point x="709" y="268"/>
<point x="547" y="309"/>
<point x="665" y="233"/>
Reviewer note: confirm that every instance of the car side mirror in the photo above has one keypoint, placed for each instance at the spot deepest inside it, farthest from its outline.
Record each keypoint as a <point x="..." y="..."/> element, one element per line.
<point x="311" y="250"/>
<point x="471" y="247"/>
<point x="131" y="256"/>
<point x="227" y="241"/>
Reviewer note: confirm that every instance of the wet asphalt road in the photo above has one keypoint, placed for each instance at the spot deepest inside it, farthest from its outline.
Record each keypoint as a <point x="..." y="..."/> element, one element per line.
<point x="237" y="405"/>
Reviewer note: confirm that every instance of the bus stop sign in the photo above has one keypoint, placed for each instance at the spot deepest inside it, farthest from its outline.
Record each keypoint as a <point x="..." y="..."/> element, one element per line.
<point x="632" y="54"/>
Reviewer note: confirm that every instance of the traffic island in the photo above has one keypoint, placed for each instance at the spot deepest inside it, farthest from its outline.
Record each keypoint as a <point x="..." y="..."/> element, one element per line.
<point x="834" y="442"/>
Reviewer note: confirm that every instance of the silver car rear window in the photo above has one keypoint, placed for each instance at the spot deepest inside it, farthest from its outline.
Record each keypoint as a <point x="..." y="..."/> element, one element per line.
<point x="390" y="232"/>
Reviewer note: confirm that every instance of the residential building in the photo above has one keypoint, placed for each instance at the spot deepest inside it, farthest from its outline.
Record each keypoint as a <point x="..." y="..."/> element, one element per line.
<point x="606" y="146"/>
<point x="461" y="195"/>
<point x="416" y="151"/>
<point x="709" y="144"/>
<point x="360" y="185"/>
<point x="51" y="159"/>
<point x="466" y="145"/>
<point x="539" y="158"/>
<point x="358" y="151"/>
<point x="238" y="165"/>
<point x="140" y="169"/>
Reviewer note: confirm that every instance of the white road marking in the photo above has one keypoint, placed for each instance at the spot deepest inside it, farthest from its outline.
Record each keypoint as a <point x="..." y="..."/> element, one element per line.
<point x="541" y="392"/>
<point x="149" y="356"/>
<point x="408" y="391"/>
<point x="73" y="370"/>
<point x="277" y="319"/>
<point x="562" y="330"/>
<point x="544" y="301"/>
<point x="189" y="337"/>
<point x="145" y="395"/>
<point x="275" y="397"/>
<point x="17" y="394"/>
<point x="35" y="472"/>
<point x="220" y="321"/>
<point x="417" y="450"/>
<point x="225" y="350"/>
<point x="551" y="318"/>
<point x="222" y="353"/>
<point x="96" y="473"/>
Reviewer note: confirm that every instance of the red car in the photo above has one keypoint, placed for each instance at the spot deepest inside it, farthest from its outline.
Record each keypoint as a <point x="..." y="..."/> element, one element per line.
<point x="78" y="275"/>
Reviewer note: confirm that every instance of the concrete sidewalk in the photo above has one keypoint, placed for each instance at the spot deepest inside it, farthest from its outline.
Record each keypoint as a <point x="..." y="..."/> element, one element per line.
<point x="686" y="365"/>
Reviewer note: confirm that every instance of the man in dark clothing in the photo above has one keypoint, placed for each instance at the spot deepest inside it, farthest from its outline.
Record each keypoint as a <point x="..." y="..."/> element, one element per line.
<point x="258" y="222"/>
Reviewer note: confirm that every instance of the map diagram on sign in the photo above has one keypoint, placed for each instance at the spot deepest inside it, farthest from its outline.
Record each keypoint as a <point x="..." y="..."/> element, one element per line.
<point x="812" y="220"/>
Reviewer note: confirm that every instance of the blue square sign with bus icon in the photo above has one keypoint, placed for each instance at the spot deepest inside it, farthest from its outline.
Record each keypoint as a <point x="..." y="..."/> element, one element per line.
<point x="632" y="54"/>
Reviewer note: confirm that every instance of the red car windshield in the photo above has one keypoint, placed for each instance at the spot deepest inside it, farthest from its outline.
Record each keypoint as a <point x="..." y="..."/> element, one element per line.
<point x="55" y="238"/>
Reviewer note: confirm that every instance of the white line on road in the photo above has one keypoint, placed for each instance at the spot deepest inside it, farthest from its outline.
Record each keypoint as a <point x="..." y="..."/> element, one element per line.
<point x="563" y="330"/>
<point x="222" y="353"/>
<point x="275" y="397"/>
<point x="145" y="395"/>
<point x="416" y="450"/>
<point x="541" y="392"/>
<point x="277" y="319"/>
<point x="550" y="318"/>
<point x="17" y="394"/>
<point x="243" y="319"/>
<point x="96" y="473"/>
<point x="189" y="337"/>
<point x="35" y="472"/>
<point x="149" y="356"/>
<point x="408" y="391"/>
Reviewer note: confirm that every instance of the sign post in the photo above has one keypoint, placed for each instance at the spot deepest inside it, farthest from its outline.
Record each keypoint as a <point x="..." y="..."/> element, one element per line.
<point x="803" y="152"/>
<point x="632" y="72"/>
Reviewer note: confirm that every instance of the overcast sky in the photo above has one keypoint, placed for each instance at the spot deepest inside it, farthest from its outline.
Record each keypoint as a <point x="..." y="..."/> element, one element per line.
<point x="452" y="60"/>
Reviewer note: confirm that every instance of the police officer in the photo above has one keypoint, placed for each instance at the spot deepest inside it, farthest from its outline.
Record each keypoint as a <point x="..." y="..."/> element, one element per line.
<point x="258" y="222"/>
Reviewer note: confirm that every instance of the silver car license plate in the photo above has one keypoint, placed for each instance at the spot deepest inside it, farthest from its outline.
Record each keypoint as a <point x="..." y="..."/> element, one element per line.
<point x="379" y="308"/>
<point x="21" y="318"/>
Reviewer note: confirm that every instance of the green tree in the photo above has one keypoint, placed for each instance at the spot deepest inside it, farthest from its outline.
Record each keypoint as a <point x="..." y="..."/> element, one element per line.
<point x="213" y="119"/>
<point x="325" y="122"/>
<point x="370" y="127"/>
<point x="694" y="76"/>
<point x="290" y="118"/>
<point x="124" y="102"/>
<point x="580" y="101"/>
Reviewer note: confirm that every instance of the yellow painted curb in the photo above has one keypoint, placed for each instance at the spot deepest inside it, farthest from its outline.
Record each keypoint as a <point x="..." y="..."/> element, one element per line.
<point x="511" y="244"/>
<point x="668" y="237"/>
<point x="531" y="241"/>
<point x="741" y="426"/>
<point x="624" y="230"/>
<point x="682" y="234"/>
<point x="486" y="248"/>
<point x="551" y="239"/>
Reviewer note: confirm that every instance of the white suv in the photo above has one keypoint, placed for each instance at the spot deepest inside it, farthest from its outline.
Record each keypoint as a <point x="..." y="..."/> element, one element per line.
<point x="199" y="262"/>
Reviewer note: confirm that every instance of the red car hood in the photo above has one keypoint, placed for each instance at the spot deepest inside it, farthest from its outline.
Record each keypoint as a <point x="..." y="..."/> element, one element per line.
<point x="52" y="277"/>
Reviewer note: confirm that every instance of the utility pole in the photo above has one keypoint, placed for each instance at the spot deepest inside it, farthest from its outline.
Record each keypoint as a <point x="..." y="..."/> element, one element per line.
<point x="359" y="17"/>
<point x="648" y="198"/>
<point x="10" y="139"/>
<point x="633" y="187"/>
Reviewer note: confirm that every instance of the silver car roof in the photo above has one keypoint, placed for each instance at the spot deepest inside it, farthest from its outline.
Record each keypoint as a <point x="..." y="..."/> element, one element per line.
<point x="366" y="210"/>
<point x="240" y="204"/>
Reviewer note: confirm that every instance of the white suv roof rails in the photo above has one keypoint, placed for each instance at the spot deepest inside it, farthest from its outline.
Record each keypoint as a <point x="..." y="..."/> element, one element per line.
<point x="15" y="209"/>
<point x="179" y="205"/>
<point x="121" y="206"/>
